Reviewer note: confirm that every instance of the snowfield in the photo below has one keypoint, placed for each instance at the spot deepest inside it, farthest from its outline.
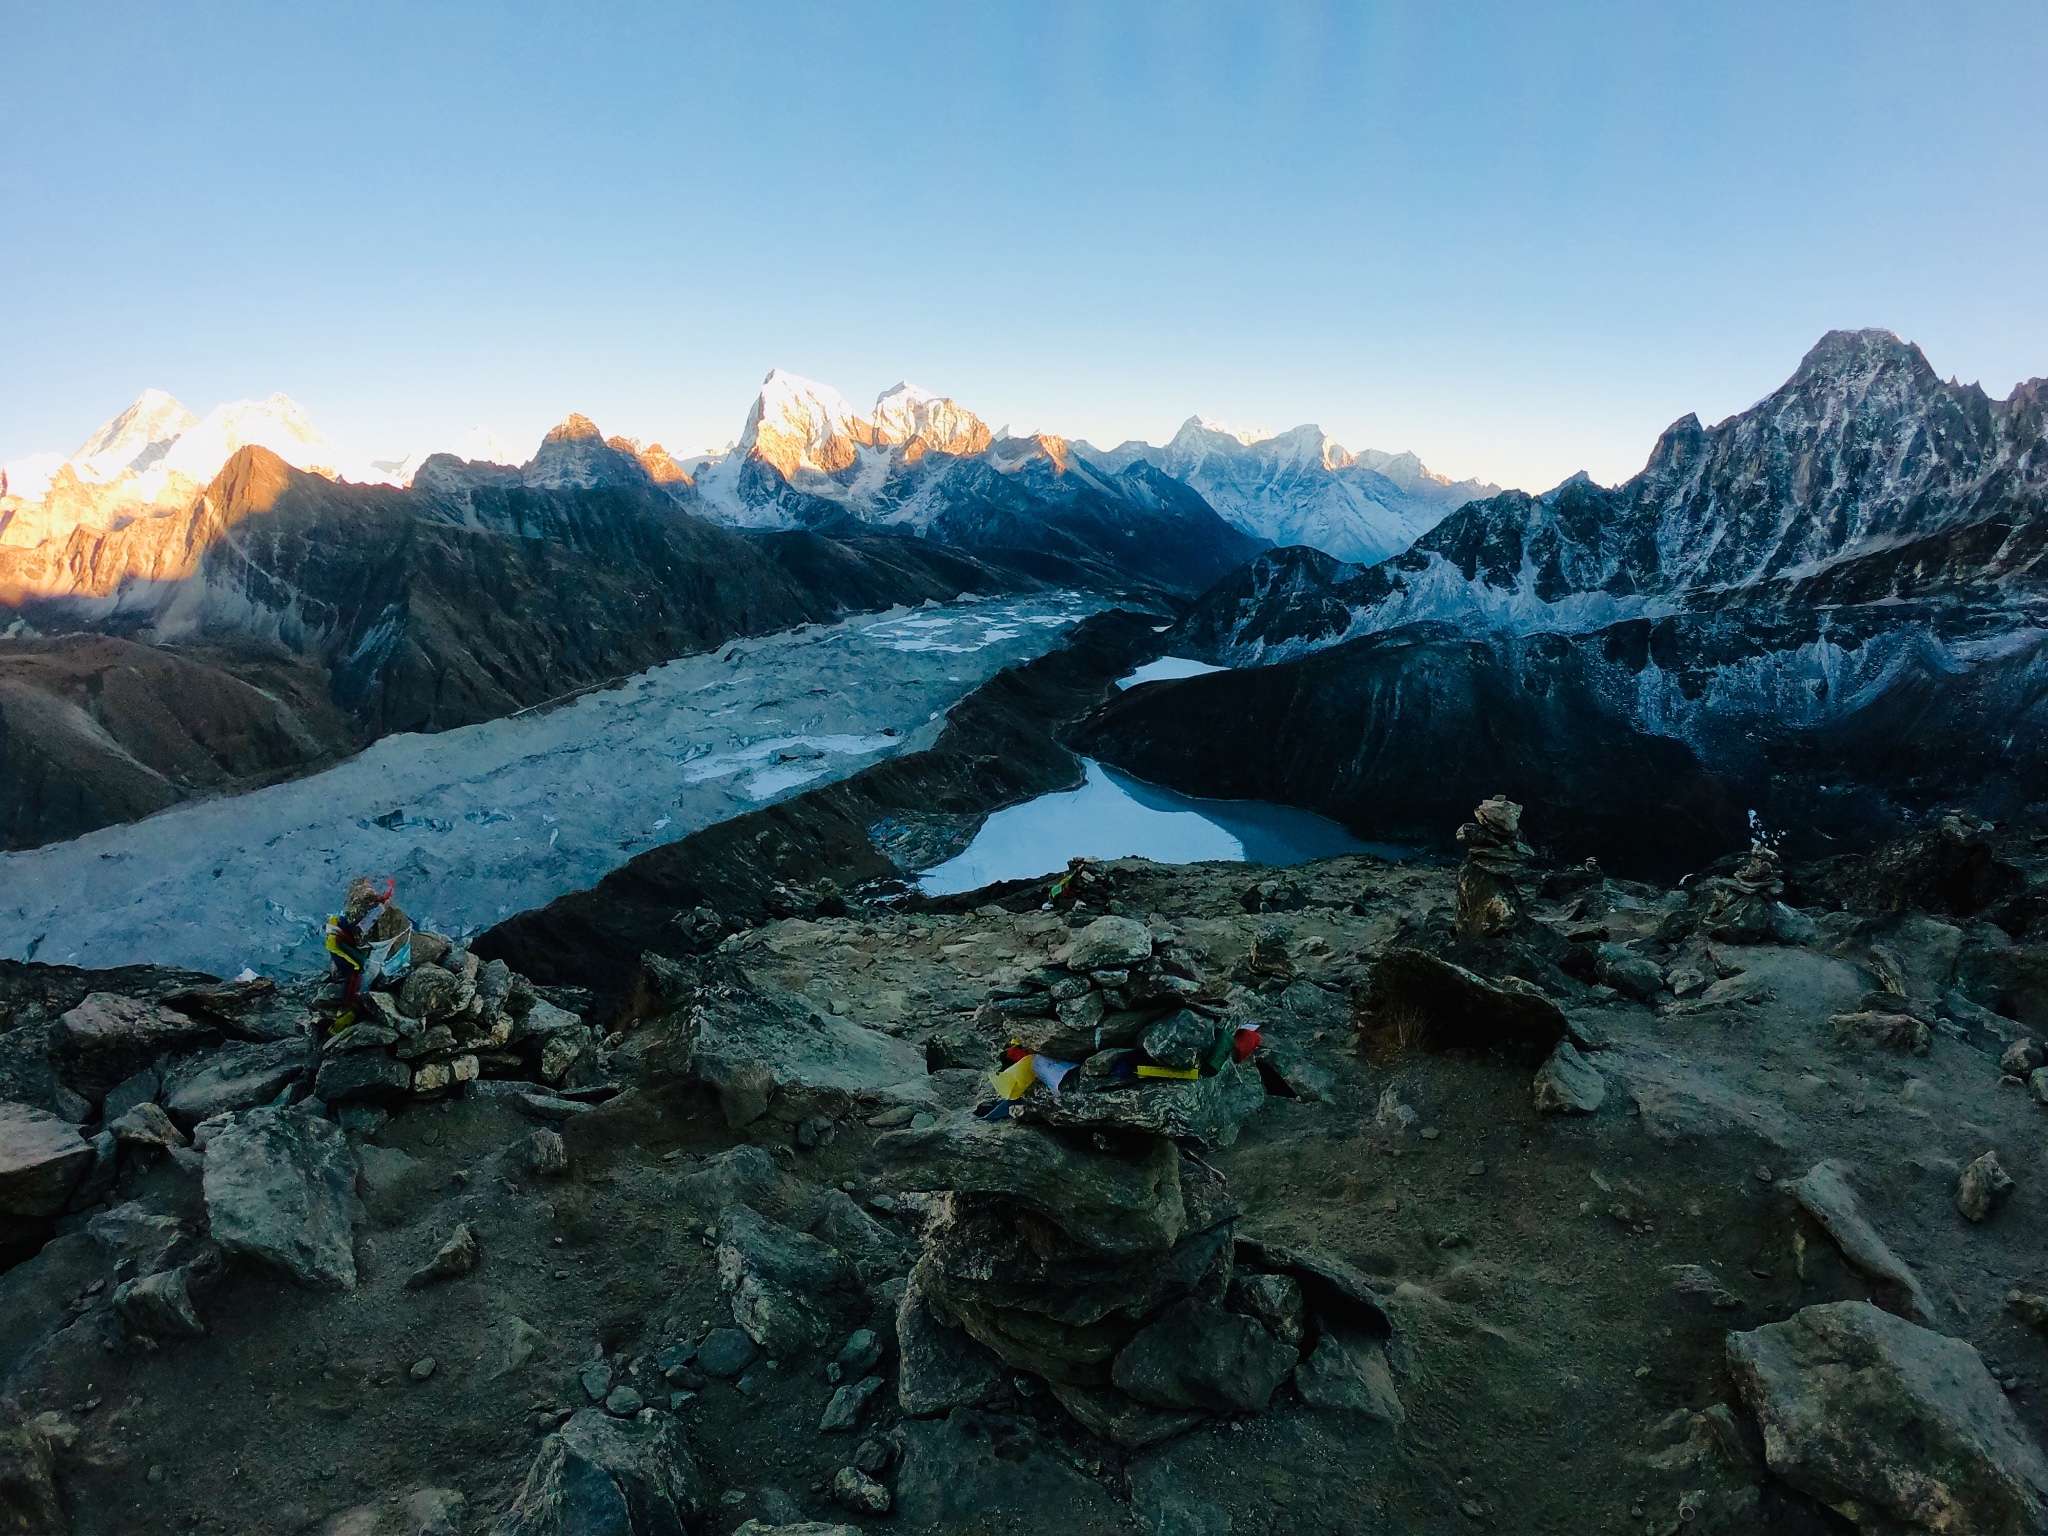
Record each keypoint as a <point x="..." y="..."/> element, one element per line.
<point x="478" y="823"/>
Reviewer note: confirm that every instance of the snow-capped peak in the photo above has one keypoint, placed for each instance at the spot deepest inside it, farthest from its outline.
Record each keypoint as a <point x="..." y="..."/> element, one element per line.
<point x="135" y="439"/>
<point x="278" y="423"/>
<point x="1246" y="436"/>
<point x="921" y="422"/>
<point x="480" y="445"/>
<point x="796" y="423"/>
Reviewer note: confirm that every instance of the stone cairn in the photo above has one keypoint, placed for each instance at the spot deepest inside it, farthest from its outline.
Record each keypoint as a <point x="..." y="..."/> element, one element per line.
<point x="452" y="1020"/>
<point x="1489" y="898"/>
<point x="1079" y="1238"/>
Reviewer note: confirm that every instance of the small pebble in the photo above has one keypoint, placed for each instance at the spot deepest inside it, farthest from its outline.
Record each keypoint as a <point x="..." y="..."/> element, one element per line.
<point x="1430" y="1133"/>
<point x="422" y="1368"/>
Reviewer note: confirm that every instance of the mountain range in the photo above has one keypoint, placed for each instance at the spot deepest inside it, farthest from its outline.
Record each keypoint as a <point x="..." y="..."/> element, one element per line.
<point x="1828" y="610"/>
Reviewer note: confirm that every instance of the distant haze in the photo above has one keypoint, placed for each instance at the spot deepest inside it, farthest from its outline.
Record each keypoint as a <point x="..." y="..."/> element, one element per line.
<point x="1516" y="240"/>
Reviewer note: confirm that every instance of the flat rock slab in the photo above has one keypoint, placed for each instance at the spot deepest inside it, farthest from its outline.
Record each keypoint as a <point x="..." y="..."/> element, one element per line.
<point x="1894" y="1425"/>
<point x="1115" y="1202"/>
<point x="1678" y="1101"/>
<point x="1207" y="1111"/>
<point x="280" y="1187"/>
<point x="234" y="1077"/>
<point x="764" y="1052"/>
<point x="42" y="1160"/>
<point x="974" y="1469"/>
<point x="108" y="1038"/>
<point x="1824" y="1193"/>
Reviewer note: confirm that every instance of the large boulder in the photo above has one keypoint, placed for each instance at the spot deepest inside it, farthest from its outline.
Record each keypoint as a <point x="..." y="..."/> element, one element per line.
<point x="42" y="1160"/>
<point x="940" y="1368"/>
<point x="108" y="1038"/>
<point x="601" y="1476"/>
<point x="1420" y="1000"/>
<point x="783" y="1283"/>
<point x="1198" y="1356"/>
<point x="1125" y="1200"/>
<point x="232" y="1078"/>
<point x="1896" y="1426"/>
<point x="280" y="1187"/>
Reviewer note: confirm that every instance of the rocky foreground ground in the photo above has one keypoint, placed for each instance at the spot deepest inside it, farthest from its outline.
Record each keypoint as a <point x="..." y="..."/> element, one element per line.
<point x="1540" y="1202"/>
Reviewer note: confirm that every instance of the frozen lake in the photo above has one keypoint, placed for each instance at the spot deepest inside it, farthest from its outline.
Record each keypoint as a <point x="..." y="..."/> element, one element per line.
<point x="496" y="818"/>
<point x="1114" y="816"/>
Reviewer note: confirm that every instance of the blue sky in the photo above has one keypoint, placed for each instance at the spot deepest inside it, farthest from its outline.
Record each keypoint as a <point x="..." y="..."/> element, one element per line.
<point x="1518" y="239"/>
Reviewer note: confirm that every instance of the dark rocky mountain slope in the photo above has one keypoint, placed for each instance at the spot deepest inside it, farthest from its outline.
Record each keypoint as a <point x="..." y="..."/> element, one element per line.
<point x="1830" y="607"/>
<point x="313" y="617"/>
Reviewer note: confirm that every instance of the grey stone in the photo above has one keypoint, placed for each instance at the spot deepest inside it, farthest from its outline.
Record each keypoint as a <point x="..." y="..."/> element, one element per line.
<point x="622" y="1402"/>
<point x="861" y="1352"/>
<point x="1116" y="1202"/>
<point x="361" y="1037"/>
<point x="438" y="1040"/>
<point x="160" y="1305"/>
<point x="514" y="1343"/>
<point x="743" y="1175"/>
<point x="1335" y="1290"/>
<point x="597" y="1380"/>
<point x="1198" y="1356"/>
<point x="143" y="1088"/>
<point x="761" y="1050"/>
<point x="547" y="1156"/>
<point x="1895" y="1426"/>
<point x="147" y="1239"/>
<point x="1274" y="1300"/>
<point x="1208" y="1111"/>
<point x="1181" y="1040"/>
<point x="601" y="1476"/>
<point x="237" y="1076"/>
<point x="1825" y="1195"/>
<point x="799" y="1528"/>
<point x="422" y="1369"/>
<point x="1292" y="1066"/>
<point x="42" y="1160"/>
<point x="1106" y="943"/>
<point x="146" y="1125"/>
<point x="1568" y="1084"/>
<point x="1441" y="1006"/>
<point x="853" y="1489"/>
<point x="454" y="1258"/>
<point x="280" y="1187"/>
<point x="1983" y="1188"/>
<point x="544" y="1019"/>
<point x="107" y="1039"/>
<point x="939" y="1368"/>
<point x="973" y="1466"/>
<point x="362" y="1077"/>
<point x="849" y="1403"/>
<point x="726" y="1352"/>
<point x="1347" y="1370"/>
<point x="429" y="993"/>
<point x="1628" y="973"/>
<point x="782" y="1283"/>
<point x="873" y="1249"/>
